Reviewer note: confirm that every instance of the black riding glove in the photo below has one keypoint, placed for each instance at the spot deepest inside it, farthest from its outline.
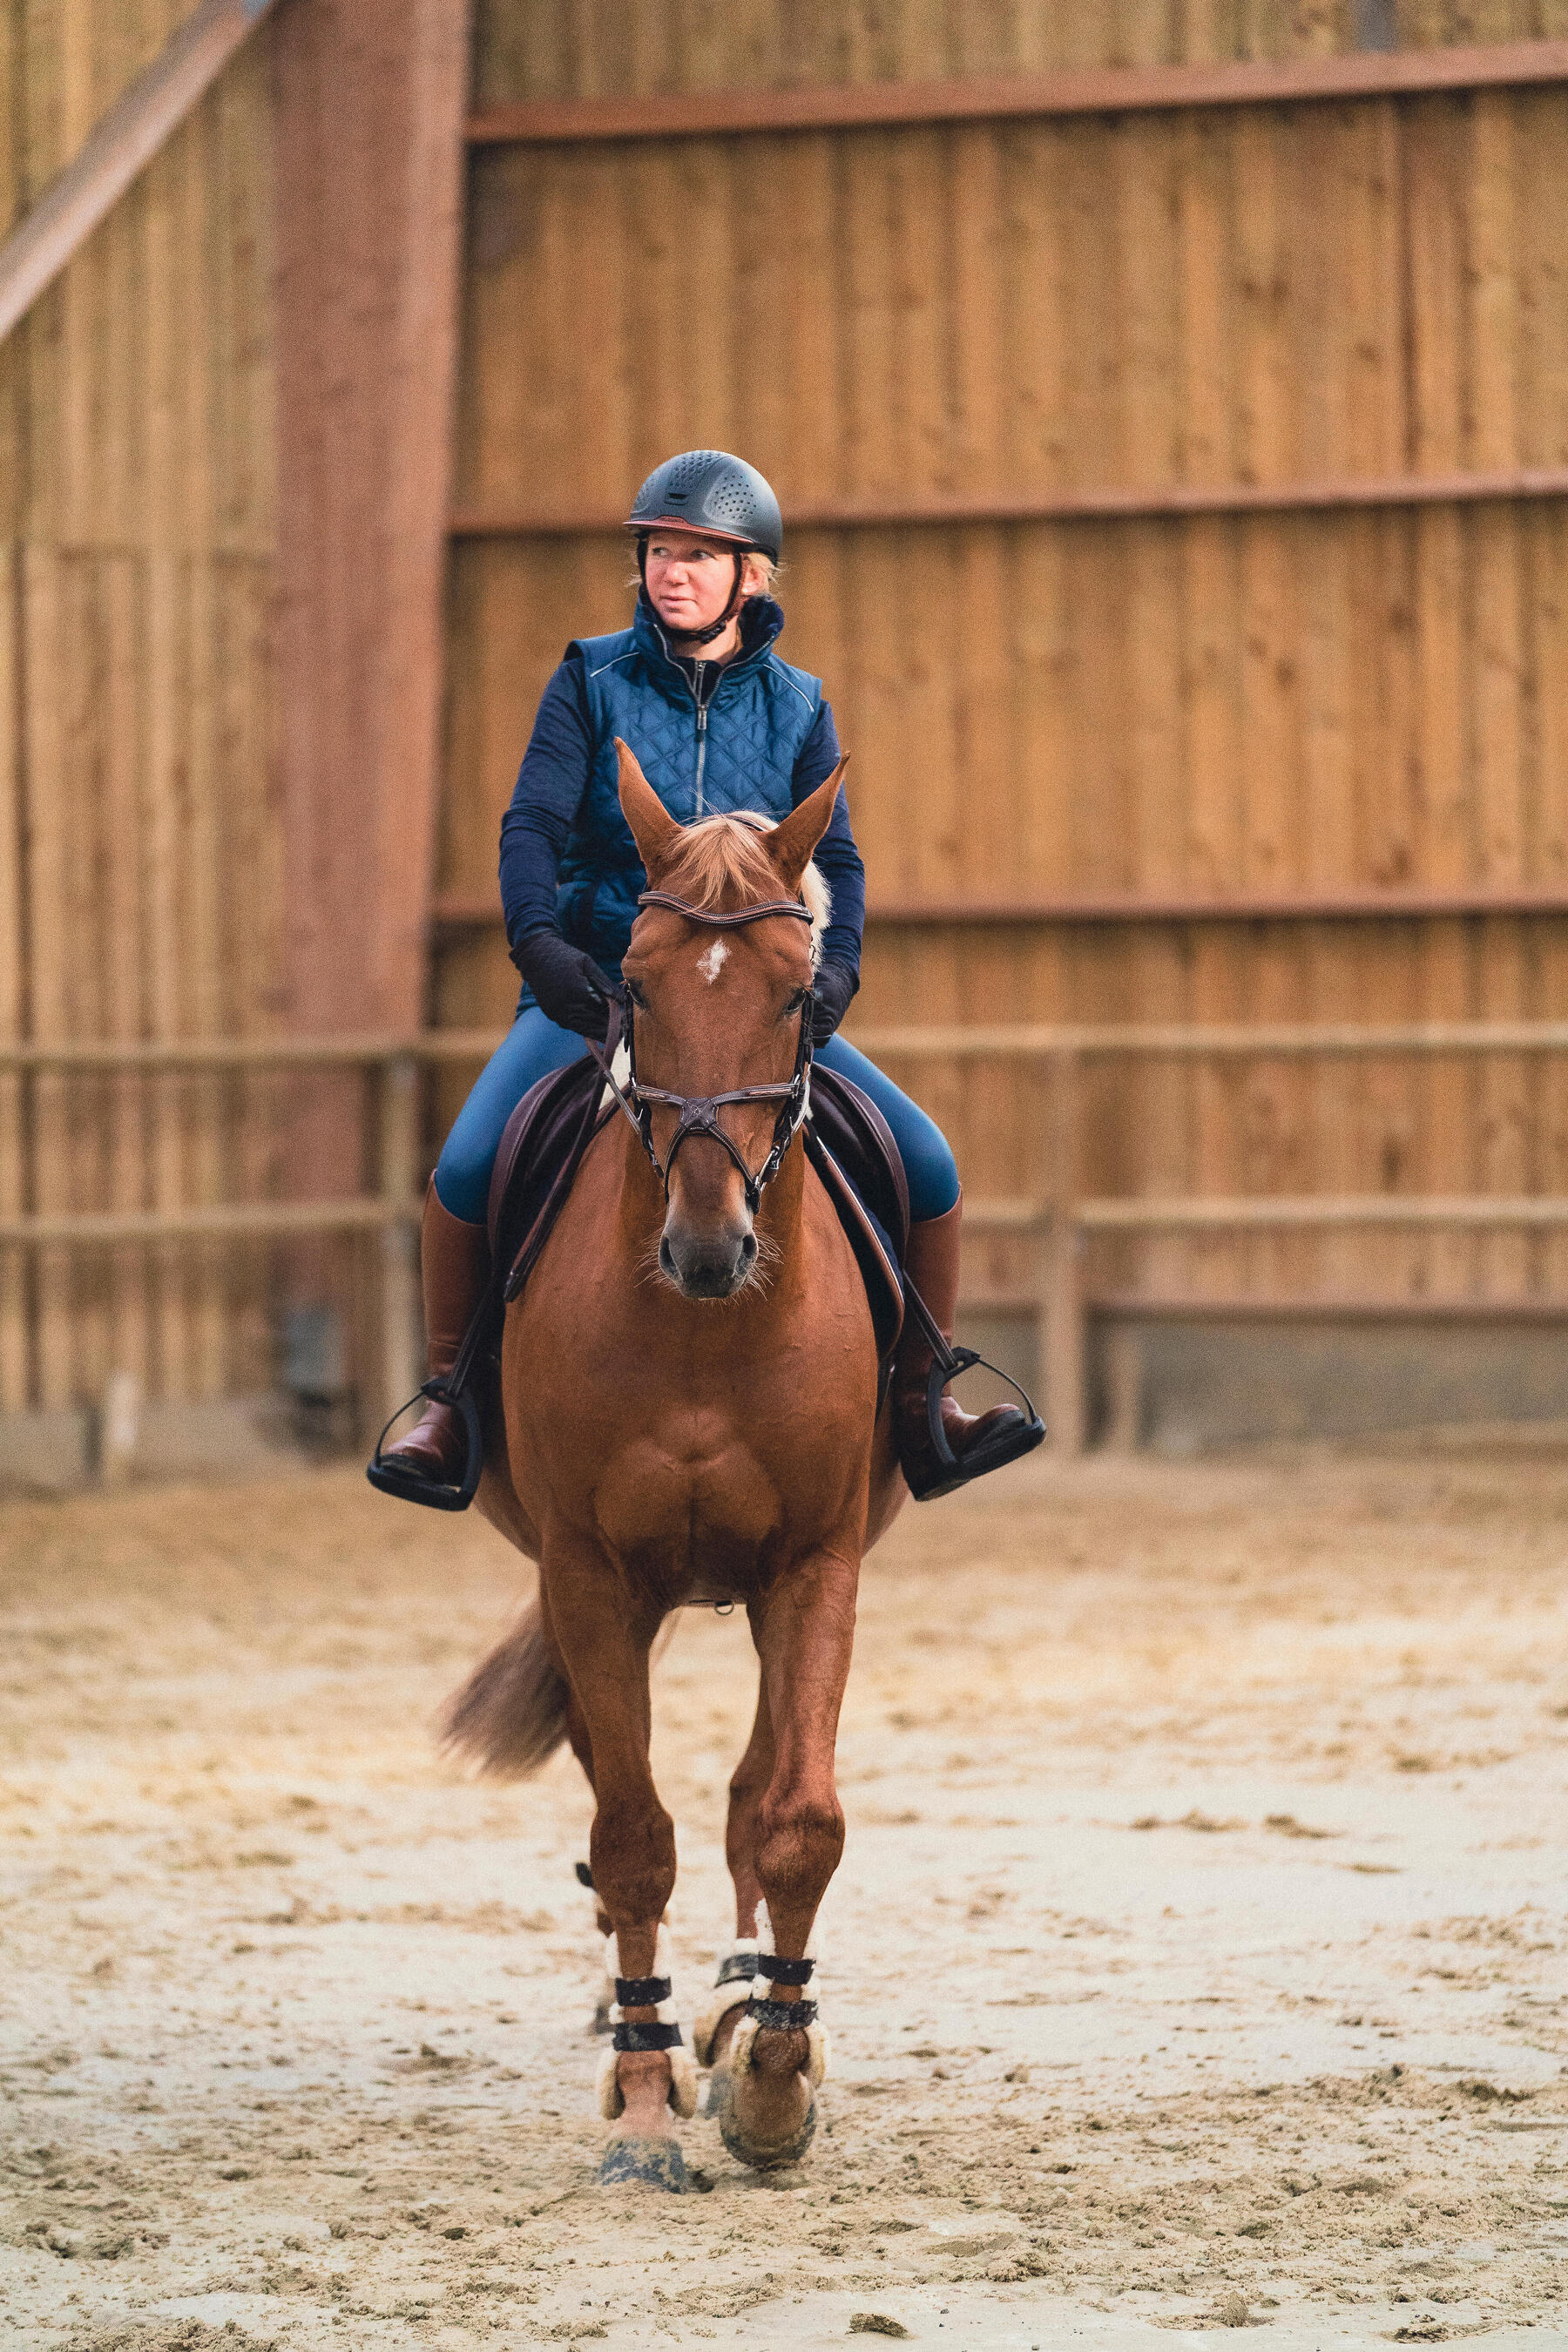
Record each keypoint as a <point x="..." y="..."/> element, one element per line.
<point x="571" y="989"/>
<point x="835" y="985"/>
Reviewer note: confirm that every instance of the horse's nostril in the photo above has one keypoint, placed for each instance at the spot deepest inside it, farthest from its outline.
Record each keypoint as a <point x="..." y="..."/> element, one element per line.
<point x="748" y="1249"/>
<point x="667" y="1260"/>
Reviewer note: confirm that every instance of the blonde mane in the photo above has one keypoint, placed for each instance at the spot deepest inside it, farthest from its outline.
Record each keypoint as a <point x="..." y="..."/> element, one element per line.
<point x="723" y="855"/>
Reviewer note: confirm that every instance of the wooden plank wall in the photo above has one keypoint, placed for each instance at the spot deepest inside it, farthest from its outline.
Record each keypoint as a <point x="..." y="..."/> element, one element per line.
<point x="1267" y="703"/>
<point x="140" y="878"/>
<point x="602" y="48"/>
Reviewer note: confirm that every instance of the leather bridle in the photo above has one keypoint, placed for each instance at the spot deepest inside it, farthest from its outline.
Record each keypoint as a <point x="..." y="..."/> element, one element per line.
<point x="699" y="1114"/>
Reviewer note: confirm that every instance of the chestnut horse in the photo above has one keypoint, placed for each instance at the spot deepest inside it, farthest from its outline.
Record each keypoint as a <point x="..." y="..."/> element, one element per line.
<point x="690" y="1396"/>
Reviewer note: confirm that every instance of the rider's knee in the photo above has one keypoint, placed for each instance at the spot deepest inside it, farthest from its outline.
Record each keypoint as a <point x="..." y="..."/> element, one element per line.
<point x="463" y="1180"/>
<point x="932" y="1173"/>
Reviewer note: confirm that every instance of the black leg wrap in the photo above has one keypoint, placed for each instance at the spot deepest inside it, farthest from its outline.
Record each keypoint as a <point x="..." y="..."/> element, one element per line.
<point x="790" y="1972"/>
<point x="646" y="2037"/>
<point x="736" y="1967"/>
<point x="641" y="1993"/>
<point x="782" y="2016"/>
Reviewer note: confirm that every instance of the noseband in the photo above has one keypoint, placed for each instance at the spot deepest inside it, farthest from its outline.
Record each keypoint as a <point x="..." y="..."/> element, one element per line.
<point x="699" y="1114"/>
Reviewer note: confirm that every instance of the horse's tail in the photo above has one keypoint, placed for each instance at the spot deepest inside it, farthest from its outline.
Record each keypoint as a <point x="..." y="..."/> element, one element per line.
<point x="510" y="1714"/>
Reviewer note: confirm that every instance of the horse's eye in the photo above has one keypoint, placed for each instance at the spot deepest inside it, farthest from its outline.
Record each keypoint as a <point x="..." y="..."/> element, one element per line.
<point x="796" y="1001"/>
<point x="634" y="992"/>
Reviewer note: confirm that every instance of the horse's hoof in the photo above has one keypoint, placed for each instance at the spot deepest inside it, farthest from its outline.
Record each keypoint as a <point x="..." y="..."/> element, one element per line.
<point x="762" y="2158"/>
<point x="645" y="2164"/>
<point x="718" y="2090"/>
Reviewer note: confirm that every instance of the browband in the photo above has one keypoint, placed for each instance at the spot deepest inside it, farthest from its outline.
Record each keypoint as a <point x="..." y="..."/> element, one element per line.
<point x="726" y="922"/>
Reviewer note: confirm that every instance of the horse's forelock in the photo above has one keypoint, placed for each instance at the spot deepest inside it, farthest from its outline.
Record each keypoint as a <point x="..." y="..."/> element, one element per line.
<point x="723" y="857"/>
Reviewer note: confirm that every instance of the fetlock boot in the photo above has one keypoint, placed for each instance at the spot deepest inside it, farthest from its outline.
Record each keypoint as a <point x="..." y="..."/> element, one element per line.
<point x="454" y="1266"/>
<point x="978" y="1441"/>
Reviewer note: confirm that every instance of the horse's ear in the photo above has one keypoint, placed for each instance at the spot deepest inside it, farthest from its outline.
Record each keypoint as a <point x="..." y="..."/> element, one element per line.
<point x="654" y="830"/>
<point x="791" y="844"/>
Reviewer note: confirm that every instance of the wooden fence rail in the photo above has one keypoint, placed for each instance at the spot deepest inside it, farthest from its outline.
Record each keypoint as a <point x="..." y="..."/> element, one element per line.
<point x="1059" y="1222"/>
<point x="1104" y="90"/>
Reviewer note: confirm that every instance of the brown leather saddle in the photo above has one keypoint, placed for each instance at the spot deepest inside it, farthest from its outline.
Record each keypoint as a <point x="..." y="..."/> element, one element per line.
<point x="848" y="1141"/>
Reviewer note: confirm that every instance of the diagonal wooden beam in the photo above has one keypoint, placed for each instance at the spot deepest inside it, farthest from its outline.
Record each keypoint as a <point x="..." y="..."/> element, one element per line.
<point x="129" y="136"/>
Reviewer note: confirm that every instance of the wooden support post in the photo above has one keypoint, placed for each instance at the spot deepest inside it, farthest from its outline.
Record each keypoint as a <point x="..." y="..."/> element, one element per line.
<point x="401" y="1323"/>
<point x="1062" y="1317"/>
<point x="370" y="97"/>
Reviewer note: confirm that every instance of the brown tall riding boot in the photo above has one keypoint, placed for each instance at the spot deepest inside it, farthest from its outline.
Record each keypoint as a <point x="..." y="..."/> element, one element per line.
<point x="980" y="1442"/>
<point x="454" y="1266"/>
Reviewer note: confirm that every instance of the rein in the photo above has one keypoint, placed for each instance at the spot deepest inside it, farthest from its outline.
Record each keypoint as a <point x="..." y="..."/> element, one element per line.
<point x="699" y="1114"/>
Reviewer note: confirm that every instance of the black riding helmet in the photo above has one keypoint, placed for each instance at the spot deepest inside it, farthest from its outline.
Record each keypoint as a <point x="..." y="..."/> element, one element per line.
<point x="707" y="490"/>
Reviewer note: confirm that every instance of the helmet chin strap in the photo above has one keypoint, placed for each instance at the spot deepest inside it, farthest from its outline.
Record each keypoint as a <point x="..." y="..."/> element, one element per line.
<point x="715" y="629"/>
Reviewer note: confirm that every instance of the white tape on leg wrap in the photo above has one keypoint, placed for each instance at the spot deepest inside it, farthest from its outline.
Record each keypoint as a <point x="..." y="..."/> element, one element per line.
<point x="722" y="1999"/>
<point x="764" y="1938"/>
<point x="611" y="2097"/>
<point x="714" y="2010"/>
<point x="682" y="2084"/>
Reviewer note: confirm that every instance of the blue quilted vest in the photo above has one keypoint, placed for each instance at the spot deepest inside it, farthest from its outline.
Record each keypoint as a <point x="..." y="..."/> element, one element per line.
<point x="738" y="753"/>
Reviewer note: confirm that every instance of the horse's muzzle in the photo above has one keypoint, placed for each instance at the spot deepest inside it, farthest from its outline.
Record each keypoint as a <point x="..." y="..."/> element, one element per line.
<point x="712" y="1265"/>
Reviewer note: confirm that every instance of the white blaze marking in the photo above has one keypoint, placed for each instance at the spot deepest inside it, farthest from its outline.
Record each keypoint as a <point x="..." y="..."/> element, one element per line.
<point x="711" y="962"/>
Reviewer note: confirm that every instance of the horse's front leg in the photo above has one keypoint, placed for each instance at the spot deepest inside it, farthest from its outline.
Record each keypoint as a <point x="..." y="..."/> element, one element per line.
<point x="604" y="1641"/>
<point x="714" y="2029"/>
<point x="805" y="1632"/>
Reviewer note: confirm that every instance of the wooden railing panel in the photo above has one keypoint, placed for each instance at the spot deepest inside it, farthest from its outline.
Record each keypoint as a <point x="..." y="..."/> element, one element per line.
<point x="1040" y="1248"/>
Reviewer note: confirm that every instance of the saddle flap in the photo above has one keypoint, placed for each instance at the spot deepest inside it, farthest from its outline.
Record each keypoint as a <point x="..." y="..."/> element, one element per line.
<point x="536" y="1143"/>
<point x="871" y="1246"/>
<point x="861" y="1144"/>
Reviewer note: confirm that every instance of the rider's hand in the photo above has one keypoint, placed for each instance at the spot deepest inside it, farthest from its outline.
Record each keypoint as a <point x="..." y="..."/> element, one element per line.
<point x="835" y="986"/>
<point x="571" y="989"/>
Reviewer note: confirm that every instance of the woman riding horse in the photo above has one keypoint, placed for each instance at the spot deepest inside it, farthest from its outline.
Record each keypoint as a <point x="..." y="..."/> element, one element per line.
<point x="718" y="723"/>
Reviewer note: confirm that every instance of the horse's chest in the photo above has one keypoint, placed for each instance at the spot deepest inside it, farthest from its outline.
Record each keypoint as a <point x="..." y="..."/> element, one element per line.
<point x="706" y="1492"/>
<point x="703" y="1497"/>
<point x="701" y="1447"/>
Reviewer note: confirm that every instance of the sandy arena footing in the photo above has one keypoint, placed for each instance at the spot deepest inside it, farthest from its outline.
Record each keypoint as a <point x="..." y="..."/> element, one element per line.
<point x="1214" y="1811"/>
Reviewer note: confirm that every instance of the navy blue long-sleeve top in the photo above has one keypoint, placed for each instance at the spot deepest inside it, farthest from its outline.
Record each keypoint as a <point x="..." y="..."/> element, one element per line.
<point x="549" y="793"/>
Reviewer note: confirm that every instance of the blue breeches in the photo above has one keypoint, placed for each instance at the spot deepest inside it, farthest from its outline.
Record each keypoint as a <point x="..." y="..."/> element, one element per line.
<point x="534" y="1045"/>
